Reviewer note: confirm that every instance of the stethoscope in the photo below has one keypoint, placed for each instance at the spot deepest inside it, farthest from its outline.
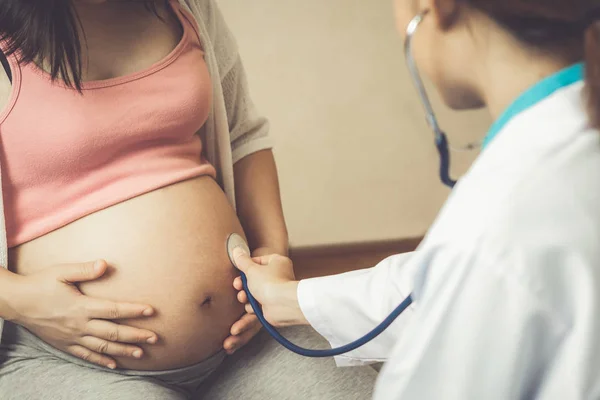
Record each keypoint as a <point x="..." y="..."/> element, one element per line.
<point x="441" y="142"/>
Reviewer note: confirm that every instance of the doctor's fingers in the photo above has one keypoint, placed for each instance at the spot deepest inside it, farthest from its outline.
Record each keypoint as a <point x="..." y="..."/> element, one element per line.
<point x="242" y="297"/>
<point x="266" y="260"/>
<point x="242" y="260"/>
<point x="248" y="323"/>
<point x="237" y="283"/>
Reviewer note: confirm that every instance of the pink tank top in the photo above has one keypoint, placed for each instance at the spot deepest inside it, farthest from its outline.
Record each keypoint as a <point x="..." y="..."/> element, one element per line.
<point x="65" y="155"/>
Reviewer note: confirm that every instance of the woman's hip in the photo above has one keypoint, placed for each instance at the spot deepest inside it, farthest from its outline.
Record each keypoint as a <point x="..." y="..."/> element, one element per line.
<point x="30" y="368"/>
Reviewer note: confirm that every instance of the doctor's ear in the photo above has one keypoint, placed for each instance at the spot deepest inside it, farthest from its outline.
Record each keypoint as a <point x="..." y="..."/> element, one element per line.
<point x="445" y="12"/>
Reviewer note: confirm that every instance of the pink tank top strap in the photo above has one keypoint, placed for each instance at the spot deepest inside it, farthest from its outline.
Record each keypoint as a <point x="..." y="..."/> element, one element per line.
<point x="186" y="17"/>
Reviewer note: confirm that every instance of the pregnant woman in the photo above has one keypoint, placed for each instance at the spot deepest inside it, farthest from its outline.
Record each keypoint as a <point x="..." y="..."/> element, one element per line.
<point x="128" y="142"/>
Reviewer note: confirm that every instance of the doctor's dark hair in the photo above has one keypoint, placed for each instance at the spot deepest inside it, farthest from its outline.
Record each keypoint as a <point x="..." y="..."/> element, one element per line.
<point x="48" y="31"/>
<point x="569" y="26"/>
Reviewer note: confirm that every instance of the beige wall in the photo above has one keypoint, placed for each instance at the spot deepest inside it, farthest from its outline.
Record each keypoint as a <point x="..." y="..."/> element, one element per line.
<point x="356" y="160"/>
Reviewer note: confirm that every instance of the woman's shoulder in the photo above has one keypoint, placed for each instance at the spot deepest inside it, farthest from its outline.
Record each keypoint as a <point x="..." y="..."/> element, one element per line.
<point x="206" y="13"/>
<point x="220" y="38"/>
<point x="198" y="5"/>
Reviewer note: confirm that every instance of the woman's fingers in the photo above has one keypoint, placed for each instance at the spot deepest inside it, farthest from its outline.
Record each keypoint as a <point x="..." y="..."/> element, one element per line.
<point x="105" y="309"/>
<point x="231" y="344"/>
<point x="247" y="322"/>
<point x="119" y="333"/>
<point x="101" y="346"/>
<point x="82" y="272"/>
<point x="242" y="332"/>
<point x="249" y="308"/>
<point x="234" y="343"/>
<point x="92" y="357"/>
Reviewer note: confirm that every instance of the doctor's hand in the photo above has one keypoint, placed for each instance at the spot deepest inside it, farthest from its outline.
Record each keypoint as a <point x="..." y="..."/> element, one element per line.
<point x="248" y="326"/>
<point x="272" y="282"/>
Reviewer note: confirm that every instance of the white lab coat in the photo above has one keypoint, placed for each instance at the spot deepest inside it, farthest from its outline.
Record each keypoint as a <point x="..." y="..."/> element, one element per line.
<point x="506" y="283"/>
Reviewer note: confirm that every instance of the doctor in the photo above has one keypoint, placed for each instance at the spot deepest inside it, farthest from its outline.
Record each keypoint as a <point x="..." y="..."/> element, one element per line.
<point x="507" y="281"/>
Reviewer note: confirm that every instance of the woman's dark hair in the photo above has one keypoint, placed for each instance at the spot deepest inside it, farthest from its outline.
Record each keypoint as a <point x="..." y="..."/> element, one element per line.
<point x="555" y="25"/>
<point x="47" y="31"/>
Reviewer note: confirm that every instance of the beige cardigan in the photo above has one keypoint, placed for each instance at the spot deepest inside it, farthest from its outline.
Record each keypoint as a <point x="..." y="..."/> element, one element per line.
<point x="234" y="129"/>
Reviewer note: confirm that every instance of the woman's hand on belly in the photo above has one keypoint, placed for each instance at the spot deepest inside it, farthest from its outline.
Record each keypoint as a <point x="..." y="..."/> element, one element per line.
<point x="50" y="305"/>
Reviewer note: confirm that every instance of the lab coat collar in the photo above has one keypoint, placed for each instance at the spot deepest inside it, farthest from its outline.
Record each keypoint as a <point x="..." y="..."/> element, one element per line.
<point x="538" y="92"/>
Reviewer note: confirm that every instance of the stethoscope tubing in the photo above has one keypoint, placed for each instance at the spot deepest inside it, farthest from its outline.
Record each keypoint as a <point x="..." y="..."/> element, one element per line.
<point x="378" y="330"/>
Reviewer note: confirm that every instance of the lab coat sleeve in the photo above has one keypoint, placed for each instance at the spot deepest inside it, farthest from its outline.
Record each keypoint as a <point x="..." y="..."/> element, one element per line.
<point x="343" y="308"/>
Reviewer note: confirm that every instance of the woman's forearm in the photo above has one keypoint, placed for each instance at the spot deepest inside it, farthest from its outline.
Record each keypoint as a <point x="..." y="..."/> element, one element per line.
<point x="259" y="203"/>
<point x="7" y="286"/>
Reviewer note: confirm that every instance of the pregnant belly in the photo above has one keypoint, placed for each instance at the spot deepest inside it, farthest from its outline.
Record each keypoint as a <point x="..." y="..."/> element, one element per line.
<point x="165" y="248"/>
